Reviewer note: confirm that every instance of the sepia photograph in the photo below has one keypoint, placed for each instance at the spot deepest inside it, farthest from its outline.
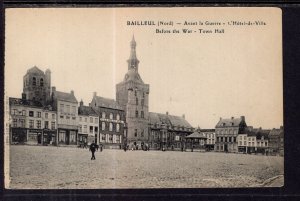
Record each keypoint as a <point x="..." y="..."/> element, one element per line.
<point x="143" y="98"/>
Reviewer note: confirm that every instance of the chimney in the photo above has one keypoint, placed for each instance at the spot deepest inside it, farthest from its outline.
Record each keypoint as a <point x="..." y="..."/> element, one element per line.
<point x="243" y="118"/>
<point x="167" y="113"/>
<point x="81" y="103"/>
<point x="95" y="94"/>
<point x="23" y="96"/>
<point x="72" y="92"/>
<point x="183" y="116"/>
<point x="232" y="118"/>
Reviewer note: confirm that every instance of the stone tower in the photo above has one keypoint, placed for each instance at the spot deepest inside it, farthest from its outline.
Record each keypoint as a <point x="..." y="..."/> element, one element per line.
<point x="133" y="95"/>
<point x="37" y="85"/>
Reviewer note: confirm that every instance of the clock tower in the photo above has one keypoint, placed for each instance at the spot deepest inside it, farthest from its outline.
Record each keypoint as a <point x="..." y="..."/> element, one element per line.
<point x="133" y="95"/>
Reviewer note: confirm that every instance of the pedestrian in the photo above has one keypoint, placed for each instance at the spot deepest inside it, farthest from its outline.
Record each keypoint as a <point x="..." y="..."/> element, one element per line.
<point x="101" y="147"/>
<point x="93" y="149"/>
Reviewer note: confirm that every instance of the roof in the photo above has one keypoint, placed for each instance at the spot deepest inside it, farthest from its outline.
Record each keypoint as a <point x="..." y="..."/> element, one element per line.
<point x="35" y="70"/>
<point x="207" y="130"/>
<point x="196" y="135"/>
<point x="86" y="110"/>
<point x="19" y="101"/>
<point x="258" y="133"/>
<point x="231" y="122"/>
<point x="63" y="96"/>
<point x="276" y="132"/>
<point x="108" y="103"/>
<point x="157" y="118"/>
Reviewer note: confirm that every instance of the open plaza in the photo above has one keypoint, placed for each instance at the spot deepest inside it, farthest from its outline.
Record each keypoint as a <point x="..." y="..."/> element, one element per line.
<point x="49" y="167"/>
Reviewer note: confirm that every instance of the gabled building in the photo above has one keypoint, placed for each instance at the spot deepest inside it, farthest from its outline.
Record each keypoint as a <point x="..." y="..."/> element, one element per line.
<point x="111" y="121"/>
<point x="276" y="141"/>
<point x="167" y="131"/>
<point x="66" y="106"/>
<point x="88" y="125"/>
<point x="227" y="131"/>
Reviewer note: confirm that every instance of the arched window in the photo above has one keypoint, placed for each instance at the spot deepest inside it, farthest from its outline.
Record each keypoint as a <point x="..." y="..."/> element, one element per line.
<point x="41" y="82"/>
<point x="103" y="115"/>
<point x="111" y="116"/>
<point x="118" y="127"/>
<point x="103" y="126"/>
<point x="33" y="81"/>
<point x="110" y="126"/>
<point x="118" y="117"/>
<point x="136" y="114"/>
<point x="136" y="101"/>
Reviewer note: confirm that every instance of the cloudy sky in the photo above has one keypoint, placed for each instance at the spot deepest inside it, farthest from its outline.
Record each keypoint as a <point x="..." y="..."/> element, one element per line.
<point x="204" y="76"/>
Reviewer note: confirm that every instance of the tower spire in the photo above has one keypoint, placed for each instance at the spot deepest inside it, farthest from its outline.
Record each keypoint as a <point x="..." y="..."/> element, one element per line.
<point x="133" y="62"/>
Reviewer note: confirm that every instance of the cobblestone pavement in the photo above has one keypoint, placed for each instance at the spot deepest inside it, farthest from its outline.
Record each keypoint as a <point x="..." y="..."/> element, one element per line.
<point x="36" y="167"/>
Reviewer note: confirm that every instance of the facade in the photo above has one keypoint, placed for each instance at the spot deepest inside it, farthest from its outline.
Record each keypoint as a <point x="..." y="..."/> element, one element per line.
<point x="29" y="123"/>
<point x="168" y="131"/>
<point x="66" y="106"/>
<point x="242" y="143"/>
<point x="111" y="121"/>
<point x="132" y="94"/>
<point x="88" y="125"/>
<point x="37" y="85"/>
<point x="276" y="141"/>
<point x="210" y="138"/>
<point x="227" y="131"/>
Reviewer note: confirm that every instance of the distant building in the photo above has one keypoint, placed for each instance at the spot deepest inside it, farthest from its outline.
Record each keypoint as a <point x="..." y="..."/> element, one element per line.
<point x="66" y="106"/>
<point x="37" y="85"/>
<point x="211" y="138"/>
<point x="88" y="125"/>
<point x="168" y="131"/>
<point x="276" y="141"/>
<point x="132" y="94"/>
<point x="227" y="131"/>
<point x="111" y="121"/>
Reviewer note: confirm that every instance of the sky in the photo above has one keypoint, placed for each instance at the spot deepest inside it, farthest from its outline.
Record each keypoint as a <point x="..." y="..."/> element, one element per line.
<point x="204" y="76"/>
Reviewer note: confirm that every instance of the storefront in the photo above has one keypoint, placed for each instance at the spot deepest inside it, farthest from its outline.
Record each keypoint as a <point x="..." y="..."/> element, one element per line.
<point x="67" y="137"/>
<point x="82" y="138"/>
<point x="34" y="136"/>
<point x="49" y="137"/>
<point x="18" y="135"/>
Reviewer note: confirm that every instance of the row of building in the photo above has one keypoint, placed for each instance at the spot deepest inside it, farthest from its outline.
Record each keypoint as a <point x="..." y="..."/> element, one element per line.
<point x="46" y="116"/>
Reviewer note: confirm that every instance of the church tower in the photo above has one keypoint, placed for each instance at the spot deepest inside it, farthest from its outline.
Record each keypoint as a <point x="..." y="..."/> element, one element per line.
<point x="133" y="95"/>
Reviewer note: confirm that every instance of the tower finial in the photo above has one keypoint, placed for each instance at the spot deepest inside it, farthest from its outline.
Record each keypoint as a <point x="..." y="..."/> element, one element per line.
<point x="133" y="61"/>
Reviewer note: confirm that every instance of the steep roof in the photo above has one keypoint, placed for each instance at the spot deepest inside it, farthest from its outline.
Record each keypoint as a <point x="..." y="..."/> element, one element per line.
<point x="258" y="132"/>
<point x="231" y="122"/>
<point x="86" y="110"/>
<point x="19" y="101"/>
<point x="35" y="70"/>
<point x="276" y="132"/>
<point x="63" y="96"/>
<point x="196" y="135"/>
<point x="157" y="118"/>
<point x="108" y="103"/>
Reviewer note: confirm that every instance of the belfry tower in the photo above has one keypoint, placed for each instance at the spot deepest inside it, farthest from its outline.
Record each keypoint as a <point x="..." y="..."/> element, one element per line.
<point x="133" y="95"/>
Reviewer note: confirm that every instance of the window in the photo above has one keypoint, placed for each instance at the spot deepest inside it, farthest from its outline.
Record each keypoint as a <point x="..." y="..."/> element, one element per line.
<point x="22" y="123"/>
<point x="61" y="108"/>
<point x="61" y="116"/>
<point x="33" y="81"/>
<point x="221" y="139"/>
<point x="52" y="125"/>
<point x="136" y="101"/>
<point x="31" y="113"/>
<point x="225" y="139"/>
<point x="217" y="139"/>
<point x="142" y="114"/>
<point x="103" y="126"/>
<point x="110" y="138"/>
<point x="39" y="114"/>
<point x="118" y="127"/>
<point x="110" y="126"/>
<point x="135" y="92"/>
<point x="91" y="119"/>
<point x="103" y="137"/>
<point x="136" y="114"/>
<point x="143" y="94"/>
<point x="118" y="117"/>
<point x="80" y="118"/>
<point x="31" y="123"/>
<point x="96" y="129"/>
<point x="23" y="113"/>
<point x="73" y="110"/>
<point x="67" y="108"/>
<point x="15" y="122"/>
<point x="245" y="143"/>
<point x="96" y="120"/>
<point x="67" y="117"/>
<point x="91" y="129"/>
<point x="111" y="116"/>
<point x="62" y="136"/>
<point x="41" y="82"/>
<point x="72" y="136"/>
<point x="266" y="144"/>
<point x="14" y="112"/>
<point x="46" y="115"/>
<point x="38" y="124"/>
<point x="53" y="116"/>
<point x="80" y="128"/>
<point x="73" y="118"/>
<point x="85" y="128"/>
<point x="229" y="139"/>
<point x="234" y="139"/>
<point x="103" y="115"/>
<point x="46" y="124"/>
<point x="135" y="132"/>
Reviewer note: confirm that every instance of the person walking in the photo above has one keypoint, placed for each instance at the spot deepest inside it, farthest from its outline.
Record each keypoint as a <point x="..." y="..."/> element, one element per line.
<point x="93" y="149"/>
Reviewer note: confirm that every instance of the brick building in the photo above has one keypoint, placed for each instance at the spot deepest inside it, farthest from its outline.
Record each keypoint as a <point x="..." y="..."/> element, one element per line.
<point x="227" y="131"/>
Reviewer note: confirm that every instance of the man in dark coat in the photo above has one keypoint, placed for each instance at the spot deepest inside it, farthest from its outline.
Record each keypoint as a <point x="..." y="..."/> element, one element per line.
<point x="93" y="149"/>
